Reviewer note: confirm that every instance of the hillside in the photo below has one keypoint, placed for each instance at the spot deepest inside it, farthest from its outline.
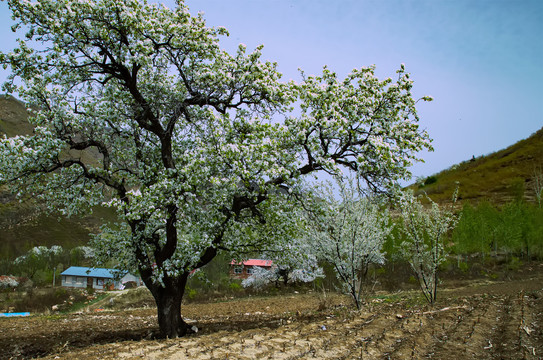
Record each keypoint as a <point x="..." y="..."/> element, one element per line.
<point x="13" y="117"/>
<point x="498" y="177"/>
<point x="23" y="225"/>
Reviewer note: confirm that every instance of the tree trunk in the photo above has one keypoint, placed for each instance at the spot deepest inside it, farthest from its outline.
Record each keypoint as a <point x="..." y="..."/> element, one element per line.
<point x="284" y="274"/>
<point x="355" y="297"/>
<point x="168" y="300"/>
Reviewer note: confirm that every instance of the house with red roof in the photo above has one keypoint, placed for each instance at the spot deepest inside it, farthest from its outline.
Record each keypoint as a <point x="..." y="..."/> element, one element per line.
<point x="242" y="270"/>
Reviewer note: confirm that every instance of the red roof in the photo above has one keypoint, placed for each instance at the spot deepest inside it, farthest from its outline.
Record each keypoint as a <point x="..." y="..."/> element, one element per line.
<point x="254" y="262"/>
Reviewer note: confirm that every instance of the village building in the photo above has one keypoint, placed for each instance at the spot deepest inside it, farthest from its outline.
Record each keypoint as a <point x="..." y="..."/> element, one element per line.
<point x="244" y="269"/>
<point x="98" y="278"/>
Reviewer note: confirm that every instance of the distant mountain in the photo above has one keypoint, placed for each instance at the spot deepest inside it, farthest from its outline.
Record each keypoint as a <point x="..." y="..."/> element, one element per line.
<point x="23" y="225"/>
<point x="498" y="177"/>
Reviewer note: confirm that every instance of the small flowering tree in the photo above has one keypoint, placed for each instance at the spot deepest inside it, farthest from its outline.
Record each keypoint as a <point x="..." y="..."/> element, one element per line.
<point x="348" y="232"/>
<point x="37" y="258"/>
<point x="139" y="109"/>
<point x="424" y="230"/>
<point x="8" y="282"/>
<point x="295" y="264"/>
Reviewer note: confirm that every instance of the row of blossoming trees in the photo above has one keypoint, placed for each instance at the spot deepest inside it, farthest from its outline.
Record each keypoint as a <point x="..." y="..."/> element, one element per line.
<point x="140" y="110"/>
<point x="41" y="263"/>
<point x="343" y="227"/>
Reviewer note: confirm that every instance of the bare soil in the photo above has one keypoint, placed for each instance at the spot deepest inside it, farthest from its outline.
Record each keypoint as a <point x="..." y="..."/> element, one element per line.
<point x="473" y="319"/>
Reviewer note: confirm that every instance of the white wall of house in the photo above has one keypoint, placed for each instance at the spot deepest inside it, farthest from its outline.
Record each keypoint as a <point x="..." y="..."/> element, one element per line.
<point x="74" y="281"/>
<point x="81" y="282"/>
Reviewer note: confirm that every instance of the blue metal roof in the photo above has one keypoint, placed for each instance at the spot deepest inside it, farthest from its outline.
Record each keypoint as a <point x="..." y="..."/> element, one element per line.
<point x="90" y="272"/>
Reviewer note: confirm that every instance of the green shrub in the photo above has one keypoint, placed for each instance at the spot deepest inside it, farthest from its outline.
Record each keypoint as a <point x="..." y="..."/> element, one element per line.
<point x="463" y="266"/>
<point x="446" y="265"/>
<point x="514" y="264"/>
<point x="191" y="293"/>
<point x="517" y="189"/>
<point x="430" y="180"/>
<point x="61" y="292"/>
<point x="235" y="286"/>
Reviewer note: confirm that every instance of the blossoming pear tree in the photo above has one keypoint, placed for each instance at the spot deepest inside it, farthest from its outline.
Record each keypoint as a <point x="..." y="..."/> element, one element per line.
<point x="347" y="230"/>
<point x="292" y="262"/>
<point x="139" y="109"/>
<point x="262" y="277"/>
<point x="424" y="230"/>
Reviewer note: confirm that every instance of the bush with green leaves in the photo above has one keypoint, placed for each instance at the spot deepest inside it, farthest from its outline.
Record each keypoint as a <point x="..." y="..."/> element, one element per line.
<point x="514" y="229"/>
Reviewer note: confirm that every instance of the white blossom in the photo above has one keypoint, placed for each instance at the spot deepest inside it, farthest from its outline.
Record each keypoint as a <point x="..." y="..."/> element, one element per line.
<point x="348" y="232"/>
<point x="424" y="230"/>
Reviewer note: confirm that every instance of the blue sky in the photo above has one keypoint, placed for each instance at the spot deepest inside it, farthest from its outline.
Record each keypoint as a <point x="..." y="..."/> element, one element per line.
<point x="482" y="61"/>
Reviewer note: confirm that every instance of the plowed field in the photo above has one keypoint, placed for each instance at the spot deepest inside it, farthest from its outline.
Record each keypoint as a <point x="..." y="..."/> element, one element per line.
<point x="473" y="320"/>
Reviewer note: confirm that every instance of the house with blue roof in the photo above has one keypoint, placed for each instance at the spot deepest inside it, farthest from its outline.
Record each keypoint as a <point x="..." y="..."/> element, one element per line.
<point x="98" y="278"/>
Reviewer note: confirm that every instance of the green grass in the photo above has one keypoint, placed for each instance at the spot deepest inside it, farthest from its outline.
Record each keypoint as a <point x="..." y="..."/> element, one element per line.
<point x="81" y="304"/>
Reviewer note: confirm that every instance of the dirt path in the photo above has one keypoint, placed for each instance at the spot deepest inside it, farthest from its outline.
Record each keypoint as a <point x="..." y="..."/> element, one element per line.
<point x="487" y="321"/>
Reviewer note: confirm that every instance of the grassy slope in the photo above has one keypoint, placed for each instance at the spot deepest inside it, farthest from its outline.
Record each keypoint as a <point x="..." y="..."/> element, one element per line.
<point x="498" y="177"/>
<point x="23" y="225"/>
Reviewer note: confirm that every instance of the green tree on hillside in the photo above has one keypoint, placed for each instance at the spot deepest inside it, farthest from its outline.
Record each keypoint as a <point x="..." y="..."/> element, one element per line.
<point x="477" y="230"/>
<point x="141" y="110"/>
<point x="514" y="229"/>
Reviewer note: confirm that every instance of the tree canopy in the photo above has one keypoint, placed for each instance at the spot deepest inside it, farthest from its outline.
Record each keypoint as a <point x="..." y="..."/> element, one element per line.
<point x="141" y="110"/>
